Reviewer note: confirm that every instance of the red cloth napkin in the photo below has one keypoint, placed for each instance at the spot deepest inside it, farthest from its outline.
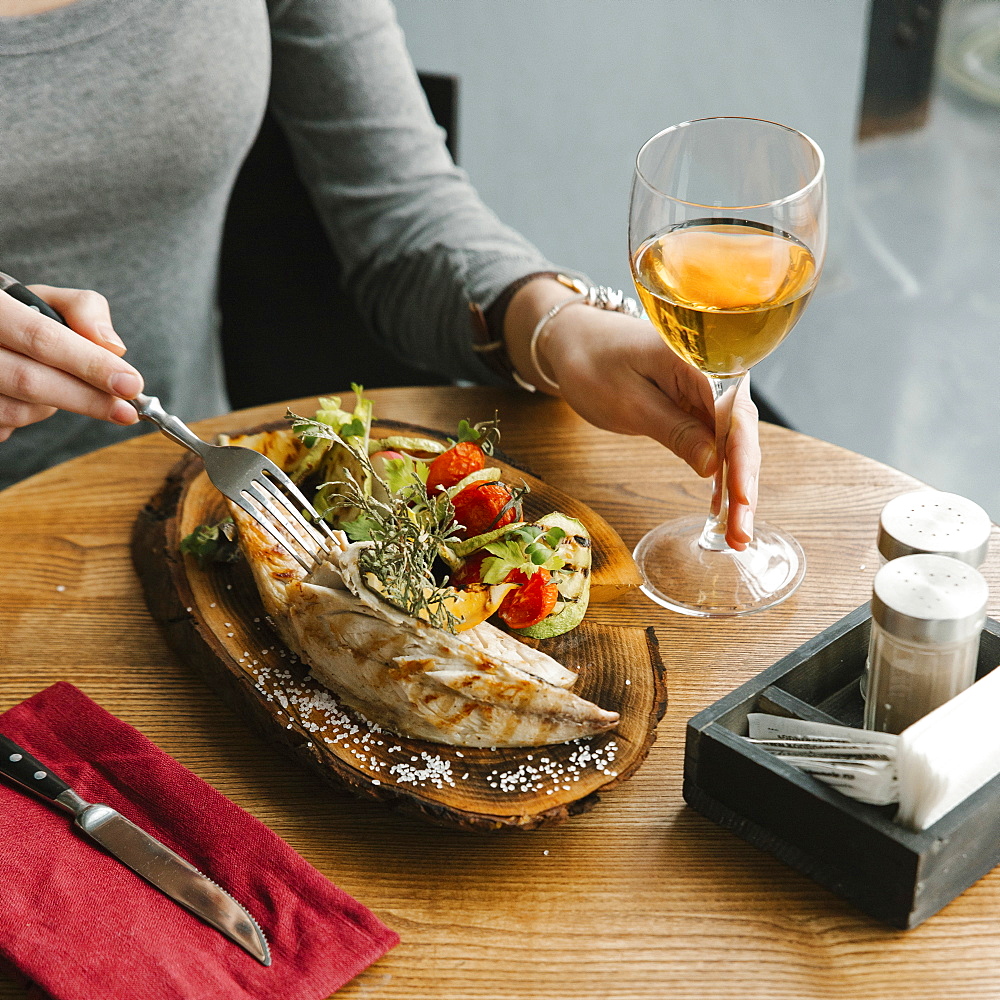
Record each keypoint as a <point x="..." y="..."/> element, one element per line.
<point x="79" y="925"/>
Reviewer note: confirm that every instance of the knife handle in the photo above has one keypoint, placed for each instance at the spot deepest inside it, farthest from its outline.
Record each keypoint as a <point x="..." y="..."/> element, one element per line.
<point x="20" y="766"/>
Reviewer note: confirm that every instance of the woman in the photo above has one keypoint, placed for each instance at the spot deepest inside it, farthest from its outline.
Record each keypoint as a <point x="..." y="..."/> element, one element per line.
<point x="124" y="125"/>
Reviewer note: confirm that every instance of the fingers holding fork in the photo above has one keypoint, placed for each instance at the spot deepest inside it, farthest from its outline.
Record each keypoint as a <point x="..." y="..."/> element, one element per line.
<point x="58" y="350"/>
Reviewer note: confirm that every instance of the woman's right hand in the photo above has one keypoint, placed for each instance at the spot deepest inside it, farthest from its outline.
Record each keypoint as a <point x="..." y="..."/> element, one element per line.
<point x="45" y="366"/>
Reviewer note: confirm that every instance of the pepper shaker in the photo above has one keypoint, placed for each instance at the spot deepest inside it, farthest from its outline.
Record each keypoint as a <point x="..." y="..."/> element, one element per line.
<point x="929" y="521"/>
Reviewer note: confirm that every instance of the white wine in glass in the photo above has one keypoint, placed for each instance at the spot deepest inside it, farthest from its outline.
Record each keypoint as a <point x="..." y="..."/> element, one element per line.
<point x="727" y="234"/>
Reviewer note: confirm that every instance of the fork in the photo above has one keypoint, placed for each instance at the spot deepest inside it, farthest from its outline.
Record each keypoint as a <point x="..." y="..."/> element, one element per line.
<point x="251" y="480"/>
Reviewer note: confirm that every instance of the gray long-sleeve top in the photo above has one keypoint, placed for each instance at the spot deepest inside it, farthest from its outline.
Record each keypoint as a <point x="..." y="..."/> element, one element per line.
<point x="123" y="124"/>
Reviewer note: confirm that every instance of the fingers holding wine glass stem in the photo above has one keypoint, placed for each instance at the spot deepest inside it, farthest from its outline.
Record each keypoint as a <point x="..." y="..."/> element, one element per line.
<point x="742" y="465"/>
<point x="721" y="531"/>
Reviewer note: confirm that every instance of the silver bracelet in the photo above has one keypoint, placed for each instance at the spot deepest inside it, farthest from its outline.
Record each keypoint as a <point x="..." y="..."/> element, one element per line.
<point x="599" y="296"/>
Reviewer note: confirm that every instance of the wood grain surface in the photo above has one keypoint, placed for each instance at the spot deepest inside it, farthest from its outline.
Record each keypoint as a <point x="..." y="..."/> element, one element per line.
<point x="212" y="617"/>
<point x="639" y="899"/>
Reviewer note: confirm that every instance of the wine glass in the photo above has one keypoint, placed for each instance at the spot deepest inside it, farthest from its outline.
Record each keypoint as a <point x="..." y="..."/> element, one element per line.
<point x="727" y="234"/>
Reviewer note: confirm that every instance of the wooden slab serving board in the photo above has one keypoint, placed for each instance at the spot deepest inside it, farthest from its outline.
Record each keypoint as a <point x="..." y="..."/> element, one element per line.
<point x="214" y="620"/>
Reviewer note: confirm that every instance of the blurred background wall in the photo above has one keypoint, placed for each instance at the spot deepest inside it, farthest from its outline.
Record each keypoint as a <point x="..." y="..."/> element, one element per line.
<point x="557" y="96"/>
<point x="897" y="355"/>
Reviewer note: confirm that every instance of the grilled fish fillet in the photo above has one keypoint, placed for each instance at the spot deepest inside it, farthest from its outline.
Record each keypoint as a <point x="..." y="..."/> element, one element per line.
<point x="480" y="688"/>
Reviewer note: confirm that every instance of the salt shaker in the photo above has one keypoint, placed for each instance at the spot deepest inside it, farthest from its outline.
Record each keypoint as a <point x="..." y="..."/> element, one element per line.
<point x="930" y="521"/>
<point x="927" y="615"/>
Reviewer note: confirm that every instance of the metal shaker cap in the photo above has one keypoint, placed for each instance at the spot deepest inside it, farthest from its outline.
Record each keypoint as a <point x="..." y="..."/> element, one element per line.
<point x="929" y="521"/>
<point x="929" y="598"/>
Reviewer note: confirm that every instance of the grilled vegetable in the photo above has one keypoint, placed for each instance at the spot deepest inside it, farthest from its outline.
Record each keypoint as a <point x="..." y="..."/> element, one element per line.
<point x="572" y="579"/>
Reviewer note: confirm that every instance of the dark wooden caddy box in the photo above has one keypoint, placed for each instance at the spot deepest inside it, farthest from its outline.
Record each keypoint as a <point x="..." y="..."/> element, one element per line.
<point x="854" y="849"/>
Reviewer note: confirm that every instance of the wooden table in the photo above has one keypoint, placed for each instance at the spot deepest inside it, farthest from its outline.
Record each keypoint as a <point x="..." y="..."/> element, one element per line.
<point x="640" y="899"/>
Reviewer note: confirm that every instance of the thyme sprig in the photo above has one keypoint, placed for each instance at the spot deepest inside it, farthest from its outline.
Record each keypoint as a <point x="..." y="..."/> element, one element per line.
<point x="408" y="529"/>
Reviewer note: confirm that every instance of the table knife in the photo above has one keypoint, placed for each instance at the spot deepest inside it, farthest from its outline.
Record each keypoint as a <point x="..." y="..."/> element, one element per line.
<point x="136" y="849"/>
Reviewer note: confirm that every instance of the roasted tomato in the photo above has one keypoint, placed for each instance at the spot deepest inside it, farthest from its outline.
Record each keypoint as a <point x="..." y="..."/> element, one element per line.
<point x="453" y="465"/>
<point x="531" y="602"/>
<point x="470" y="572"/>
<point x="478" y="507"/>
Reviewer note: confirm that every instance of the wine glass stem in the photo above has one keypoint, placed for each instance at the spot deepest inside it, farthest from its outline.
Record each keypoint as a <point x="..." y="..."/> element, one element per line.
<point x="713" y="535"/>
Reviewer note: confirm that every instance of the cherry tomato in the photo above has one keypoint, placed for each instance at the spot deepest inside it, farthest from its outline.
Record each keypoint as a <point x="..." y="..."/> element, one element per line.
<point x="477" y="508"/>
<point x="531" y="602"/>
<point x="470" y="572"/>
<point x="453" y="465"/>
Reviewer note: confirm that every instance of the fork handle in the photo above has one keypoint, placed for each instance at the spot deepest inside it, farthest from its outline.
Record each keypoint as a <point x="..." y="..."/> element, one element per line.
<point x="16" y="290"/>
<point x="149" y="408"/>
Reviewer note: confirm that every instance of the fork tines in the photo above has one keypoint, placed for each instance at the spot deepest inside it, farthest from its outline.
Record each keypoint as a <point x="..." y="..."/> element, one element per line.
<point x="264" y="501"/>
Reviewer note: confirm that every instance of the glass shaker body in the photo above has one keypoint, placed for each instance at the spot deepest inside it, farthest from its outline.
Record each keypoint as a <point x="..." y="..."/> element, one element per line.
<point x="909" y="679"/>
<point x="935" y="523"/>
<point x="927" y="615"/>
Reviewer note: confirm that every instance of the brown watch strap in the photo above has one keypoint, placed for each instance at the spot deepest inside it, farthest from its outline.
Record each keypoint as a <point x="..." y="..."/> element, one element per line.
<point x="487" y="326"/>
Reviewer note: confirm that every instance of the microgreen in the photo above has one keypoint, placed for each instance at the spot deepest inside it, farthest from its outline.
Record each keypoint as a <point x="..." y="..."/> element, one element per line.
<point x="353" y="428"/>
<point x="526" y="548"/>
<point x="210" y="543"/>
<point x="485" y="433"/>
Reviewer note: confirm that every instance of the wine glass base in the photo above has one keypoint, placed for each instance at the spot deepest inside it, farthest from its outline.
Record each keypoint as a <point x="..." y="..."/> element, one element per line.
<point x="681" y="575"/>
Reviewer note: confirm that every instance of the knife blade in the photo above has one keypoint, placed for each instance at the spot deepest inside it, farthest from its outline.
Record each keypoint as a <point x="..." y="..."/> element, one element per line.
<point x="136" y="849"/>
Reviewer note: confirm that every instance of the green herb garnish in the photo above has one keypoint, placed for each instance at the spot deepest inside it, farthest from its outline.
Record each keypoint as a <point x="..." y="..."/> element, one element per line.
<point x="485" y="433"/>
<point x="407" y="531"/>
<point x="527" y="548"/>
<point x="210" y="543"/>
<point x="400" y="473"/>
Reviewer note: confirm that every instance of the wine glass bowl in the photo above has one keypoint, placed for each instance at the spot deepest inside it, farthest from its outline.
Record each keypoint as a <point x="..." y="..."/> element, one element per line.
<point x="727" y="235"/>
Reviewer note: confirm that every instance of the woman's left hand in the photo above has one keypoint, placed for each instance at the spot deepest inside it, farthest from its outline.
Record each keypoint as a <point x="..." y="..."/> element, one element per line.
<point x="617" y="373"/>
